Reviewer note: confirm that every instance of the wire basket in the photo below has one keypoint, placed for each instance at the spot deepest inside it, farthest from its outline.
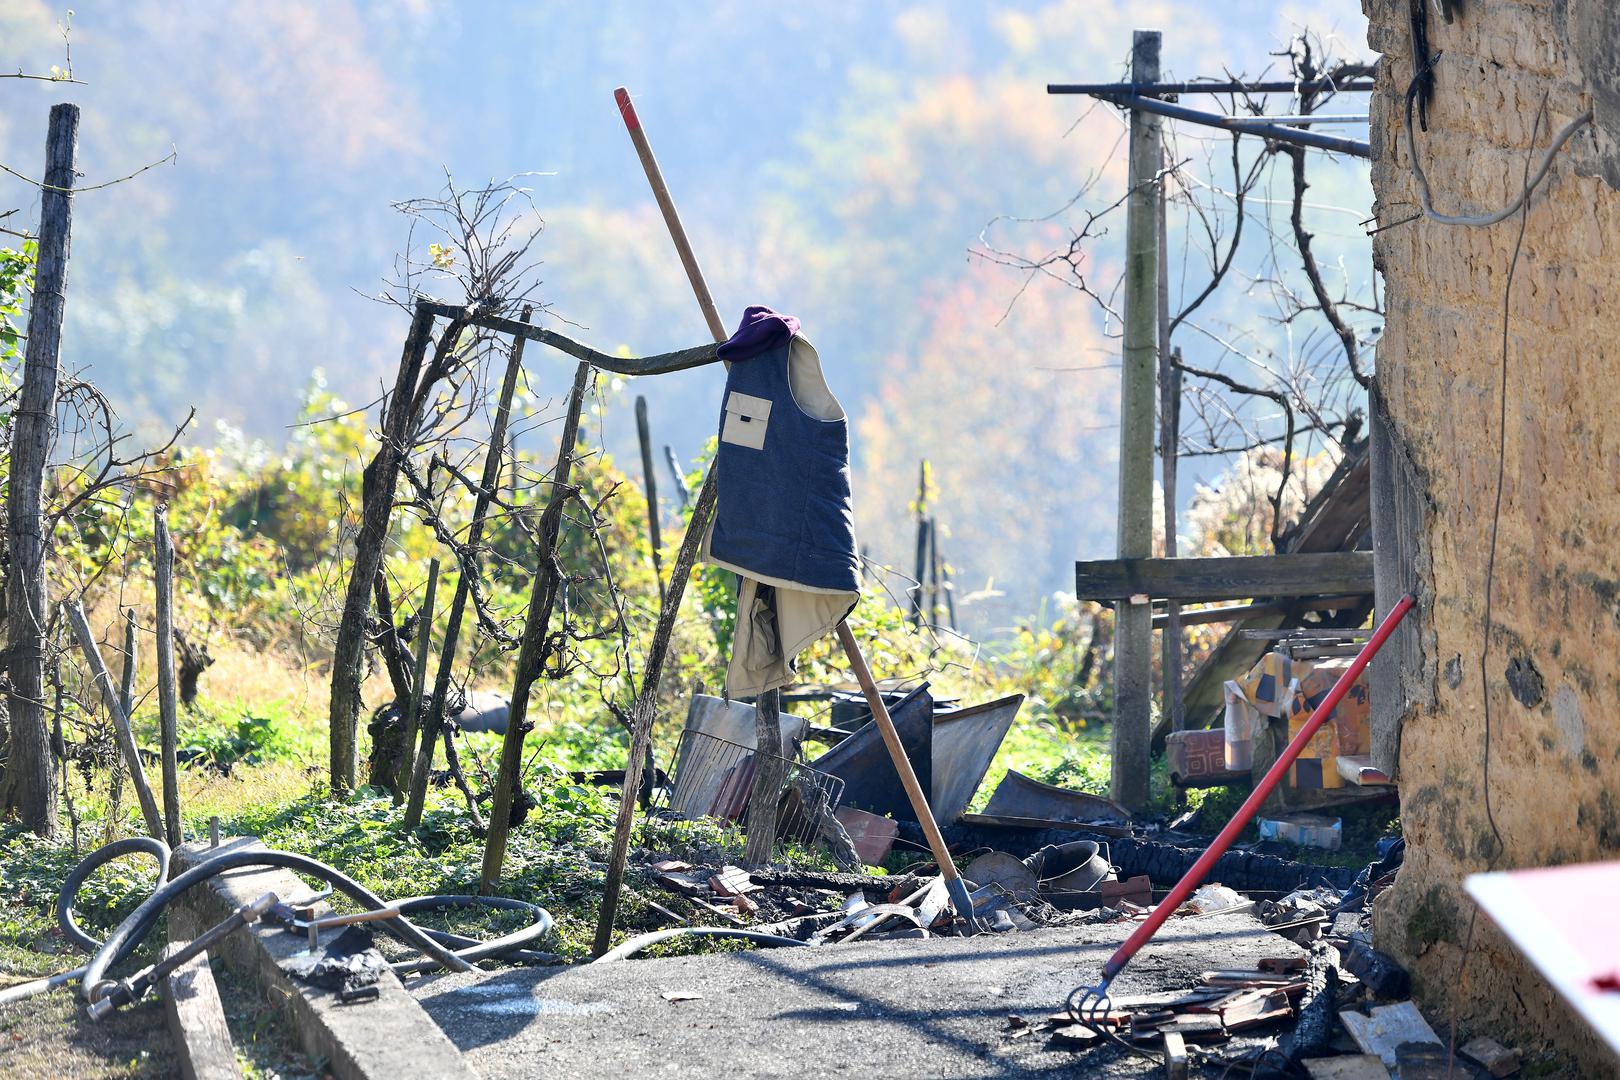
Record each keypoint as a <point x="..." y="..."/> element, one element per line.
<point x="714" y="779"/>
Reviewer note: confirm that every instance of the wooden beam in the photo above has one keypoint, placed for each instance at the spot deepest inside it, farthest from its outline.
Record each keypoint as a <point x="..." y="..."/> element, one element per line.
<point x="197" y="1020"/>
<point x="681" y="360"/>
<point x="1235" y="578"/>
<point x="1235" y="612"/>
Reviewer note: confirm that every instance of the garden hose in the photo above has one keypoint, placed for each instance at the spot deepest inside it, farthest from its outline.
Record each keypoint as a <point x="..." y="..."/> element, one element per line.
<point x="438" y="948"/>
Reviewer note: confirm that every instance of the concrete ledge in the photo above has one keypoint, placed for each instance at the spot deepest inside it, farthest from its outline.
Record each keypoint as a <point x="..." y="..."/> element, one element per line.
<point x="387" y="1039"/>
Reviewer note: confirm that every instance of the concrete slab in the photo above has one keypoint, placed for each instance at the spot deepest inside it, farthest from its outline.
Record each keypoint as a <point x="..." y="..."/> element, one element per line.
<point x="933" y="1008"/>
<point x="385" y="1039"/>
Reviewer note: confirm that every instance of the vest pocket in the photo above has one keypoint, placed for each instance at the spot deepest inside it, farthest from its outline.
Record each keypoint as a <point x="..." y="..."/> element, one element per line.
<point x="746" y="419"/>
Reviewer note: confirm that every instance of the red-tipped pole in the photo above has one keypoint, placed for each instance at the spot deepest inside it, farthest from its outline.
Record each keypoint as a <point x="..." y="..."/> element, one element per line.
<point x="677" y="231"/>
<point x="1200" y="869"/>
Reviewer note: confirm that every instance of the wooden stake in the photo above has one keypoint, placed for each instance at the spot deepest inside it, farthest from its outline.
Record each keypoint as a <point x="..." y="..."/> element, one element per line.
<point x="109" y="696"/>
<point x="644" y="434"/>
<point x="413" y="706"/>
<point x="1133" y="636"/>
<point x="644" y="710"/>
<point x="28" y="785"/>
<point x="132" y="649"/>
<point x="126" y="697"/>
<point x="434" y="719"/>
<point x="532" y="652"/>
<point x="168" y="708"/>
<point x="922" y="544"/>
<point x="933" y="571"/>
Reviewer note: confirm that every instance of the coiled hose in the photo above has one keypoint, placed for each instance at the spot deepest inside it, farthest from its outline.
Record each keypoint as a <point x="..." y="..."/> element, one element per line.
<point x="438" y="948"/>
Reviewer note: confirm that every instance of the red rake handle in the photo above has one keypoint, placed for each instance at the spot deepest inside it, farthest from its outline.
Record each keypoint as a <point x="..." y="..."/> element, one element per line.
<point x="1194" y="876"/>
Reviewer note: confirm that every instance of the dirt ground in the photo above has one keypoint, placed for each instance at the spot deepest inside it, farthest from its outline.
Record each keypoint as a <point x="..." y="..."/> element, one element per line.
<point x="50" y="1036"/>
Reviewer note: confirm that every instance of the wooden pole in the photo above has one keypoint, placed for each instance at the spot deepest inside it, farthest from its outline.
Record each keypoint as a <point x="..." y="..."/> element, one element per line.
<point x="29" y="787"/>
<point x="682" y="494"/>
<point x="132" y="650"/>
<point x="908" y="776"/>
<point x="126" y="697"/>
<point x="1169" y="437"/>
<point x="1133" y="636"/>
<point x="644" y="710"/>
<point x="121" y="730"/>
<point x="413" y="705"/>
<point x="644" y="434"/>
<point x="921" y="563"/>
<point x="532" y="651"/>
<point x="933" y="571"/>
<point x="433" y="720"/>
<point x="672" y="218"/>
<point x="168" y="707"/>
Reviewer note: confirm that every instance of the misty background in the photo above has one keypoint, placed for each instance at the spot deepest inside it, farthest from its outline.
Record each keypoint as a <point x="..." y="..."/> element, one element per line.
<point x="836" y="161"/>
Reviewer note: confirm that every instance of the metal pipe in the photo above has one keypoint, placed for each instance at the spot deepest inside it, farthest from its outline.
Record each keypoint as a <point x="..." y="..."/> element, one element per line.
<point x="1281" y="133"/>
<point x="1306" y="119"/>
<point x="1316" y="86"/>
<point x="107" y="996"/>
<point x="1200" y="869"/>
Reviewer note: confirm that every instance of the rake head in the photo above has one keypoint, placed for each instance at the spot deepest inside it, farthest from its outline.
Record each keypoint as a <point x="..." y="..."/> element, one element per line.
<point x="1089" y="1006"/>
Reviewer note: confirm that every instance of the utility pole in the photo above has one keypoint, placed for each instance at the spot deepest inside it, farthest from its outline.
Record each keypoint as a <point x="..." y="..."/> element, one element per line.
<point x="1133" y="634"/>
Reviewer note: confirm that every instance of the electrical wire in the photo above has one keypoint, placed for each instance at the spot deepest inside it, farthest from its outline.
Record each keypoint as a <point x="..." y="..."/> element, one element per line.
<point x="1487" y="618"/>
<point x="1530" y="184"/>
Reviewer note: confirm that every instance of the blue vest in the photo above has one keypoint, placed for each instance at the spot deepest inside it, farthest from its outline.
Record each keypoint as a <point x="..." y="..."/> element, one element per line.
<point x="784" y="515"/>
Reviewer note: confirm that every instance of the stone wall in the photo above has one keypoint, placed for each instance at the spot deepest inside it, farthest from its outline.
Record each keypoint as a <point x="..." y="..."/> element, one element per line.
<point x="1551" y="669"/>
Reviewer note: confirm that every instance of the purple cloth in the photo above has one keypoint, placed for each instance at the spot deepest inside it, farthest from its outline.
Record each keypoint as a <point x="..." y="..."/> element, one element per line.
<point x="760" y="331"/>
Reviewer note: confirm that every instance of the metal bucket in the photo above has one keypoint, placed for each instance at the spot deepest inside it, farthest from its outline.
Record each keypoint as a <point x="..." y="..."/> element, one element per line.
<point x="1076" y="867"/>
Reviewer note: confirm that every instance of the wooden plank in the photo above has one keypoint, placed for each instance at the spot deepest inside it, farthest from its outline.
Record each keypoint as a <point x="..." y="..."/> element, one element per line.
<point x="197" y="1020"/>
<point x="1231" y="578"/>
<point x="1359" y="770"/>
